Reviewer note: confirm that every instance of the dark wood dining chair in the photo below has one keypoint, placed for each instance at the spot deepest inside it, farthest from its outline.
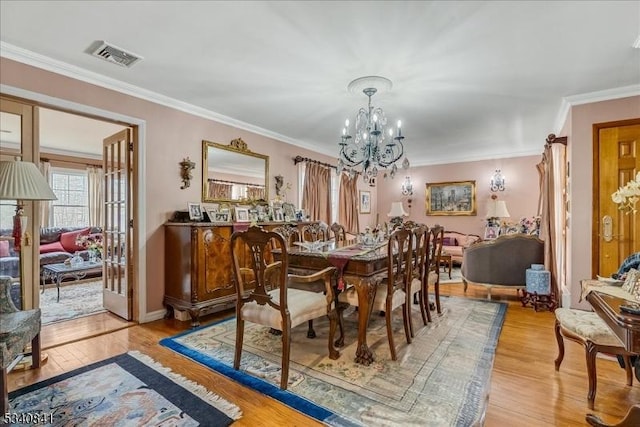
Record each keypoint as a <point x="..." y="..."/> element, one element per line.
<point x="392" y="291"/>
<point x="337" y="232"/>
<point x="420" y="266"/>
<point x="316" y="232"/>
<point x="265" y="297"/>
<point x="433" y="275"/>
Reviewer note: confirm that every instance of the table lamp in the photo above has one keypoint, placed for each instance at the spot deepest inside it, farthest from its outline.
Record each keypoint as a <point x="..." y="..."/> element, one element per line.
<point x="21" y="181"/>
<point x="497" y="209"/>
<point x="396" y="213"/>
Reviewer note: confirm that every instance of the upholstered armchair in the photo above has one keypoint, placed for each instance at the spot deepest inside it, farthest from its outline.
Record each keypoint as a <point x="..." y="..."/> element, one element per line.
<point x="17" y="329"/>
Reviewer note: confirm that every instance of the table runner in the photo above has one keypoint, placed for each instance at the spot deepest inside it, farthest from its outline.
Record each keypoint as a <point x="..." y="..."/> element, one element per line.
<point x="340" y="257"/>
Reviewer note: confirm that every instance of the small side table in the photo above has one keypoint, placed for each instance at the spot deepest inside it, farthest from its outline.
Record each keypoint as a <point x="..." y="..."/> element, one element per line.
<point x="445" y="260"/>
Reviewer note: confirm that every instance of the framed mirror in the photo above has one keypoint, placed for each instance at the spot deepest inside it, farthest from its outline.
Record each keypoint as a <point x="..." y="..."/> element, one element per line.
<point x="233" y="173"/>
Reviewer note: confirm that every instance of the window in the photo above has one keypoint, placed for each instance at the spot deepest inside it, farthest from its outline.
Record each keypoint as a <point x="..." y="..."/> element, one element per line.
<point x="7" y="211"/>
<point x="72" y="207"/>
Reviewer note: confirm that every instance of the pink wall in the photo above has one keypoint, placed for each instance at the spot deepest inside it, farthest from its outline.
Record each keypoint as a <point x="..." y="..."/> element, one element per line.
<point x="521" y="194"/>
<point x="164" y="126"/>
<point x="580" y="155"/>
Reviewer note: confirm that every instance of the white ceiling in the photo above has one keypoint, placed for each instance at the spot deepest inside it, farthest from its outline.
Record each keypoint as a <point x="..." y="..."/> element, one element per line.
<point x="471" y="80"/>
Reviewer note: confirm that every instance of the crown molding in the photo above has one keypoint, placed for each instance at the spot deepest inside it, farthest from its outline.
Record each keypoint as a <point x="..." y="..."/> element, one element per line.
<point x="590" y="97"/>
<point x="33" y="59"/>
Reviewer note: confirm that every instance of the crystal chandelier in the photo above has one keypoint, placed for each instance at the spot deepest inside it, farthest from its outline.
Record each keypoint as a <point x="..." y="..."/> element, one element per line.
<point x="375" y="146"/>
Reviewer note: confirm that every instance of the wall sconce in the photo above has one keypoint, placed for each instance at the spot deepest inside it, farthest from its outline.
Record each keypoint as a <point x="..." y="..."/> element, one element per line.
<point x="407" y="187"/>
<point x="497" y="181"/>
<point x="186" y="166"/>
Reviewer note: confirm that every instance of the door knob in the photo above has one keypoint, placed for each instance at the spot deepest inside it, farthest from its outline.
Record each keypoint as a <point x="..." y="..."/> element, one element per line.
<point x="607" y="228"/>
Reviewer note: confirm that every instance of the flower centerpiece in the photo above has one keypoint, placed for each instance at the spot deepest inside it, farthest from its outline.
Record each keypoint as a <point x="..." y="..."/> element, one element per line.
<point x="92" y="243"/>
<point x="626" y="197"/>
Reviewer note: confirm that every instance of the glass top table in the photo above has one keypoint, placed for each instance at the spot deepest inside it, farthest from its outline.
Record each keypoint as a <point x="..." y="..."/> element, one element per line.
<point x="57" y="272"/>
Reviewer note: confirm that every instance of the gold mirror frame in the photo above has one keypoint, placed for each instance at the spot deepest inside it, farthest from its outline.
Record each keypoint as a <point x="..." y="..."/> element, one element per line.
<point x="235" y="146"/>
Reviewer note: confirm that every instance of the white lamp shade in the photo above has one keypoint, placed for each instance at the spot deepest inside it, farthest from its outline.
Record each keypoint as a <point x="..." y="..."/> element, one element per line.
<point x="23" y="181"/>
<point x="397" y="210"/>
<point x="497" y="209"/>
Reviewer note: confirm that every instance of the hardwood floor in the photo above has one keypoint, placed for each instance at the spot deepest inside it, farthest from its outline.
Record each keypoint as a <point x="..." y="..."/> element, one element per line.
<point x="525" y="388"/>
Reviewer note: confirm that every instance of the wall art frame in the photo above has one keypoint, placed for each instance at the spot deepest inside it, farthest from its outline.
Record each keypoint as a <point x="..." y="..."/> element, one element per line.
<point x="195" y="211"/>
<point x="451" y="198"/>
<point x="365" y="202"/>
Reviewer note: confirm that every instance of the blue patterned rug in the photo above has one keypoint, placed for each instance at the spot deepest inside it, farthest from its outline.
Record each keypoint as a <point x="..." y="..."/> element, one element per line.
<point x="441" y="379"/>
<point x="127" y="390"/>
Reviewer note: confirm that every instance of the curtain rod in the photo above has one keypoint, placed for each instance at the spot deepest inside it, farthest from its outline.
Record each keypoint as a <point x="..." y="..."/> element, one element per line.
<point x="300" y="159"/>
<point x="236" y="182"/>
<point x="553" y="139"/>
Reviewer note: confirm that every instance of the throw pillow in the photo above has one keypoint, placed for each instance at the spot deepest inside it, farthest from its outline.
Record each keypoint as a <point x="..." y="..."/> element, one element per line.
<point x="51" y="247"/>
<point x="632" y="282"/>
<point x="4" y="248"/>
<point x="449" y="241"/>
<point x="68" y="239"/>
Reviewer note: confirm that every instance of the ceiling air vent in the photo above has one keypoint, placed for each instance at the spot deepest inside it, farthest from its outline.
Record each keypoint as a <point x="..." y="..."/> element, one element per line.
<point x="113" y="54"/>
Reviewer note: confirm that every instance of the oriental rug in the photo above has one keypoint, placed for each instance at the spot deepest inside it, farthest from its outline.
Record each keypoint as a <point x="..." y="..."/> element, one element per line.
<point x="127" y="390"/>
<point x="441" y="379"/>
<point x="76" y="300"/>
<point x="456" y="276"/>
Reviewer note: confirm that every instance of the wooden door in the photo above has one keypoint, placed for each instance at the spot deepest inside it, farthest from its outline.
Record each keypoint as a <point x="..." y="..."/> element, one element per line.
<point x="616" y="162"/>
<point x="118" y="152"/>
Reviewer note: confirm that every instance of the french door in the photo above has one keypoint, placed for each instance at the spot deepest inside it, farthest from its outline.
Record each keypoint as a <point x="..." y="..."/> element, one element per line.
<point x="118" y="165"/>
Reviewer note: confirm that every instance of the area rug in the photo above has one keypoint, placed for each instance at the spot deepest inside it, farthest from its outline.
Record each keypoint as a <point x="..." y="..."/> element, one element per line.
<point x="76" y="300"/>
<point x="456" y="276"/>
<point x="127" y="390"/>
<point x="441" y="379"/>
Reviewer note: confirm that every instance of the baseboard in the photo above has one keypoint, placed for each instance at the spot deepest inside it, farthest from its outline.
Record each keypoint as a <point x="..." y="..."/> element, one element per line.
<point x="153" y="316"/>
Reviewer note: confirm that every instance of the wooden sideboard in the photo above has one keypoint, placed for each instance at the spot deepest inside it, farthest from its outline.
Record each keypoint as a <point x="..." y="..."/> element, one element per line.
<point x="198" y="269"/>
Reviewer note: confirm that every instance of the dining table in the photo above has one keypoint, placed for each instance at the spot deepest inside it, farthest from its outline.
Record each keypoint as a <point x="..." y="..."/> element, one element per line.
<point x="358" y="265"/>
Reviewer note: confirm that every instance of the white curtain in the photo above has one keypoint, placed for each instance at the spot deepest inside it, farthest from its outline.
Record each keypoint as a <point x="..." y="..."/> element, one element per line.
<point x="45" y="205"/>
<point x="96" y="198"/>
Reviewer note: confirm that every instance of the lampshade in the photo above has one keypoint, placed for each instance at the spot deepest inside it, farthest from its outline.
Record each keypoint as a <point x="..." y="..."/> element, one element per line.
<point x="23" y="181"/>
<point x="397" y="210"/>
<point x="497" y="209"/>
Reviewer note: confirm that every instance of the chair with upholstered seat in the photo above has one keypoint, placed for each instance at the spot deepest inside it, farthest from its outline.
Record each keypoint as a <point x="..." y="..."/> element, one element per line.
<point x="392" y="291"/>
<point x="419" y="282"/>
<point x="433" y="275"/>
<point x="588" y="329"/>
<point x="18" y="328"/>
<point x="265" y="297"/>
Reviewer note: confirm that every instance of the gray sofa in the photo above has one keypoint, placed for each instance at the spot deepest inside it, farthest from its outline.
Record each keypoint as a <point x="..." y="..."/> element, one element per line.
<point x="501" y="262"/>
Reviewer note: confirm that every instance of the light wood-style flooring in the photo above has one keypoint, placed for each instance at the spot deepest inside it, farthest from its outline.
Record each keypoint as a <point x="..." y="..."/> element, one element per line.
<point x="525" y="388"/>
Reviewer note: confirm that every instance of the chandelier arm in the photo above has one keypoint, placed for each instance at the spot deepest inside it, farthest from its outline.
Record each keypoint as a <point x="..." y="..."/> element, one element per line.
<point x="348" y="160"/>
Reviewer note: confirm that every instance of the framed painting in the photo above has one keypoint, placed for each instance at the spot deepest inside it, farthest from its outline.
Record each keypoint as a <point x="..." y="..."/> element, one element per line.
<point x="451" y="198"/>
<point x="216" y="216"/>
<point x="195" y="212"/>
<point x="365" y="202"/>
<point x="242" y="214"/>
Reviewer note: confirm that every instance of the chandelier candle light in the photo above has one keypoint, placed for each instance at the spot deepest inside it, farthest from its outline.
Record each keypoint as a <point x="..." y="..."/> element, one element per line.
<point x="374" y="146"/>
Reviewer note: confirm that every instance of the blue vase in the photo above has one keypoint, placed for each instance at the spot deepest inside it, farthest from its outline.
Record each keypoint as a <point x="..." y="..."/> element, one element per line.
<point x="538" y="280"/>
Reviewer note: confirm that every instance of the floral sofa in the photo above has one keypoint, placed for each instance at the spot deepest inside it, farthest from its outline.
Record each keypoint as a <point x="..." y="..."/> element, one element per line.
<point x="454" y="244"/>
<point x="56" y="245"/>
